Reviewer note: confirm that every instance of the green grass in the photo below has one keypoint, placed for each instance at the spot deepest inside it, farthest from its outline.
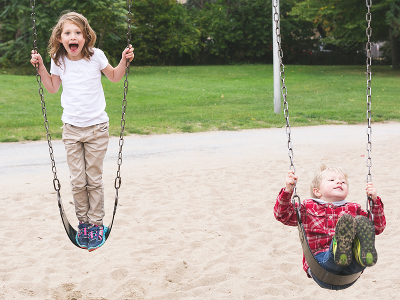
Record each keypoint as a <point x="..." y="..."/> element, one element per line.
<point x="203" y="98"/>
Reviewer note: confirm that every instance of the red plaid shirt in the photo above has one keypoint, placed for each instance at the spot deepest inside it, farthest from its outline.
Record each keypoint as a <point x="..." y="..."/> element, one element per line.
<point x="320" y="220"/>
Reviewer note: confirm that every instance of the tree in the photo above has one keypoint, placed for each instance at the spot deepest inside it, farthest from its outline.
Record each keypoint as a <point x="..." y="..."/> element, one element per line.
<point x="106" y="17"/>
<point x="393" y="21"/>
<point x="164" y="33"/>
<point x="198" y="4"/>
<point x="16" y="36"/>
<point x="234" y="31"/>
<point x="341" y="24"/>
<point x="208" y="31"/>
<point x="241" y="31"/>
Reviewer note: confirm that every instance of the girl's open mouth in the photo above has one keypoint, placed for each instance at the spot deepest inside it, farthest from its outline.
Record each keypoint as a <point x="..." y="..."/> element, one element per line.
<point x="73" y="47"/>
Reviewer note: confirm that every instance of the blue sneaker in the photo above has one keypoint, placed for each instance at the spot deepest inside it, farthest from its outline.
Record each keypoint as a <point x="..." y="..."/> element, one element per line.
<point x="82" y="237"/>
<point x="97" y="237"/>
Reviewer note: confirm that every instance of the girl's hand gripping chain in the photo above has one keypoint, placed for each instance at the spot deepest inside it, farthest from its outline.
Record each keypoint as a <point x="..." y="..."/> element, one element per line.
<point x="128" y="54"/>
<point x="36" y="58"/>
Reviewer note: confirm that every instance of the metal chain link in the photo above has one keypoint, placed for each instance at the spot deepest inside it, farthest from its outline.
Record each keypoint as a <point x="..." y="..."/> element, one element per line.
<point x="295" y="197"/>
<point x="368" y="92"/>
<point x="369" y="77"/>
<point x="56" y="182"/>
<point x="117" y="183"/>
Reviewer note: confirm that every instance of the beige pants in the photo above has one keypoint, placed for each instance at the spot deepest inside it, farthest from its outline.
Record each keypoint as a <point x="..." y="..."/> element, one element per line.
<point x="86" y="148"/>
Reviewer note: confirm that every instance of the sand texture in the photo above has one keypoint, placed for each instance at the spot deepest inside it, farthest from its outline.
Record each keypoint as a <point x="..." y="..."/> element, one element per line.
<point x="195" y="217"/>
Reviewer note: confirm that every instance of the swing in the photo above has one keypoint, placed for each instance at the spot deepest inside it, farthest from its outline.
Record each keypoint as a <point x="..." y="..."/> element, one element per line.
<point x="71" y="232"/>
<point x="314" y="267"/>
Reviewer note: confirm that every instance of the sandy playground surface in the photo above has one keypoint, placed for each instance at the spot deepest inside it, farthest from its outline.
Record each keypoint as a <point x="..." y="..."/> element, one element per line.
<point x="195" y="217"/>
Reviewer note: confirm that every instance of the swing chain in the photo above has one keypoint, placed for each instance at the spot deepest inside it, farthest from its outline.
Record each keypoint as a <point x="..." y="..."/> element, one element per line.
<point x="369" y="75"/>
<point x="117" y="183"/>
<point x="368" y="92"/>
<point x="56" y="182"/>
<point x="295" y="197"/>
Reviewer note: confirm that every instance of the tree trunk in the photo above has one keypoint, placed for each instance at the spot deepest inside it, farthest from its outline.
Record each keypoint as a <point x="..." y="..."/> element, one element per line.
<point x="228" y="3"/>
<point x="394" y="48"/>
<point x="321" y="31"/>
<point x="18" y="33"/>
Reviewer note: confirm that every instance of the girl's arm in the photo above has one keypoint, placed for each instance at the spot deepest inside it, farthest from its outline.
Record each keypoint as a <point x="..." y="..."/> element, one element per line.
<point x="51" y="82"/>
<point x="116" y="74"/>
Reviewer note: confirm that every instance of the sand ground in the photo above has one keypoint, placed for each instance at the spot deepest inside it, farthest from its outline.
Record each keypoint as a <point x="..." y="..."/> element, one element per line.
<point x="195" y="217"/>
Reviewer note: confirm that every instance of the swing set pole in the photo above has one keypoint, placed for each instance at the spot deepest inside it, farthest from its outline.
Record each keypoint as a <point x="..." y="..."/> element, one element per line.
<point x="276" y="68"/>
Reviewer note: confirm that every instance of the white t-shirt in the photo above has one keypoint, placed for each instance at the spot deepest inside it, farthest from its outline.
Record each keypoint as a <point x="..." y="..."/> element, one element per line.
<point x="82" y="97"/>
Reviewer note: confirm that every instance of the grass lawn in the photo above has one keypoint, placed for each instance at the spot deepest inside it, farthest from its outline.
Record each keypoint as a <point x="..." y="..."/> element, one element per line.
<point x="203" y="98"/>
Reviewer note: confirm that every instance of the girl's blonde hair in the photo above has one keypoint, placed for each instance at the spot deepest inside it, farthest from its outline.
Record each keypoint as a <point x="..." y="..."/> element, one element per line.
<point x="56" y="48"/>
<point x="316" y="182"/>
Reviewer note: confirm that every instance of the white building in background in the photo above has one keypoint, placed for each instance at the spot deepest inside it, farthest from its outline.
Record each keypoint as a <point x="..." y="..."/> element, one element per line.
<point x="376" y="50"/>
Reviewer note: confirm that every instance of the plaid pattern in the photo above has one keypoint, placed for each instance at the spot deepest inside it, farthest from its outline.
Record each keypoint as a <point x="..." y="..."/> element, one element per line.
<point x="320" y="220"/>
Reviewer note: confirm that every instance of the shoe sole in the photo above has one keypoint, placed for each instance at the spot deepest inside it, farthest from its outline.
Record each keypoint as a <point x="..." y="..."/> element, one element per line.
<point x="366" y="235"/>
<point x="102" y="242"/>
<point x="345" y="232"/>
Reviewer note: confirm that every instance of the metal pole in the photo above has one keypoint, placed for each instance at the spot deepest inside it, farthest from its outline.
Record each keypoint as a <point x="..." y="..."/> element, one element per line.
<point x="277" y="82"/>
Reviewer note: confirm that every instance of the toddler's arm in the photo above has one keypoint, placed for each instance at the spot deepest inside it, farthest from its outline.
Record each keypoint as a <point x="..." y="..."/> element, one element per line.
<point x="116" y="74"/>
<point x="377" y="209"/>
<point x="51" y="82"/>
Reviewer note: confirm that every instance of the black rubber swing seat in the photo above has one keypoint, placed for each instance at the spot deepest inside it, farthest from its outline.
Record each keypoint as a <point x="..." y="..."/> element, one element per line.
<point x="71" y="231"/>
<point x="316" y="268"/>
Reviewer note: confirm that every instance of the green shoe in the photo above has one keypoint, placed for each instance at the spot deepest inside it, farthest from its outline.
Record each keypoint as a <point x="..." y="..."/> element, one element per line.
<point x="345" y="232"/>
<point x="364" y="243"/>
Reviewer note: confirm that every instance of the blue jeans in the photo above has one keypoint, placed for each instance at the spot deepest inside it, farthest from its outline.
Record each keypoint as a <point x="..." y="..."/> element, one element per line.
<point x="326" y="260"/>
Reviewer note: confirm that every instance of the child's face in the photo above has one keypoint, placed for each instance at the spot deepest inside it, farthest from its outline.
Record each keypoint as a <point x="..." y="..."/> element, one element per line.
<point x="73" y="40"/>
<point x="333" y="188"/>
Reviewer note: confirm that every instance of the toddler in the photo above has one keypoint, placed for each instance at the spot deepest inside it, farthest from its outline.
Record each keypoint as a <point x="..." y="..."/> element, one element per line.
<point x="339" y="233"/>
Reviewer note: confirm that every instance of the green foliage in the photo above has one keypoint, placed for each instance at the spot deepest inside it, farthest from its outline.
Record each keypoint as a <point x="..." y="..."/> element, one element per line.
<point x="107" y="18"/>
<point x="241" y="32"/>
<point x="16" y="33"/>
<point x="342" y="23"/>
<point x="393" y="18"/>
<point x="164" y="32"/>
<point x="297" y="36"/>
<point x="341" y="26"/>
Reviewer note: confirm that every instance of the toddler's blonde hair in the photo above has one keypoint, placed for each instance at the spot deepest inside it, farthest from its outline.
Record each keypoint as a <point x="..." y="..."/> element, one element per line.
<point x="56" y="48"/>
<point x="316" y="182"/>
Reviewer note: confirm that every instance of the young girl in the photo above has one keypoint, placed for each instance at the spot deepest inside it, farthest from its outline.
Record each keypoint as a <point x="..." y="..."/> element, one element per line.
<point x="339" y="233"/>
<point x="77" y="65"/>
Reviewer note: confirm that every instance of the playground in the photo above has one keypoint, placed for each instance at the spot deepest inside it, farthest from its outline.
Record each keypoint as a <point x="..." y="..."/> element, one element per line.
<point x="195" y="217"/>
